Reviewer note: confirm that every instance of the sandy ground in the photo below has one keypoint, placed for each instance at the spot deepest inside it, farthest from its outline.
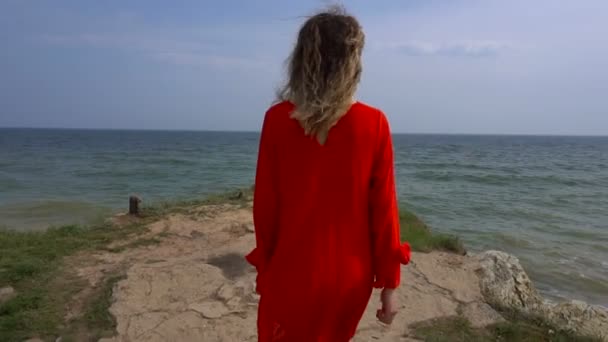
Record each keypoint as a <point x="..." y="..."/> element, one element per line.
<point x="196" y="286"/>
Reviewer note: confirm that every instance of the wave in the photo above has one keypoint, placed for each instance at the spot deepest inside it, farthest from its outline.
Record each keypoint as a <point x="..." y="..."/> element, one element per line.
<point x="451" y="166"/>
<point x="513" y="241"/>
<point x="8" y="183"/>
<point x="450" y="176"/>
<point x="498" y="179"/>
<point x="142" y="172"/>
<point x="41" y="215"/>
<point x="47" y="208"/>
<point x="144" y="161"/>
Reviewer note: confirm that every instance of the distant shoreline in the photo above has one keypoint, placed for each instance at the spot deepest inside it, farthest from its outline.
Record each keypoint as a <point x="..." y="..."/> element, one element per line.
<point x="527" y="135"/>
<point x="535" y="197"/>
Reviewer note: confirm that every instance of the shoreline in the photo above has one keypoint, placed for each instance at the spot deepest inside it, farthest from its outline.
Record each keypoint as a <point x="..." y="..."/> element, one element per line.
<point x="542" y="135"/>
<point x="102" y="212"/>
<point x="105" y="256"/>
<point x="511" y="194"/>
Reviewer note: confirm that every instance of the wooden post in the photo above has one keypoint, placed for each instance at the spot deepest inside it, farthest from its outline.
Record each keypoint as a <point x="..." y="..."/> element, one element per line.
<point x="134" y="202"/>
<point x="237" y="196"/>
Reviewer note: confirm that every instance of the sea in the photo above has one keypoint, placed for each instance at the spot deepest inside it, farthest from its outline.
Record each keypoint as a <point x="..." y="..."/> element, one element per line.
<point x="541" y="198"/>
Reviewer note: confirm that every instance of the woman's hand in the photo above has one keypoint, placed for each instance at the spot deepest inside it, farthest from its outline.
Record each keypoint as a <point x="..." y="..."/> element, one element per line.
<point x="389" y="306"/>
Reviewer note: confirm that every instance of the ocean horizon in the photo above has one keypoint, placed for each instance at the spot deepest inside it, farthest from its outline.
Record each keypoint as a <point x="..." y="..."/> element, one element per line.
<point x="542" y="198"/>
<point x="565" y="135"/>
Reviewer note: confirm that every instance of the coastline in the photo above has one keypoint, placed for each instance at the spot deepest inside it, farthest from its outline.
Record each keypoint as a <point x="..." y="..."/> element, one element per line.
<point x="538" y="198"/>
<point x="89" y="282"/>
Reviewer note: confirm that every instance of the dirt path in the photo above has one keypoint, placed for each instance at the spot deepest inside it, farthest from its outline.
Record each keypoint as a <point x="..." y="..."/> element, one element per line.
<point x="186" y="280"/>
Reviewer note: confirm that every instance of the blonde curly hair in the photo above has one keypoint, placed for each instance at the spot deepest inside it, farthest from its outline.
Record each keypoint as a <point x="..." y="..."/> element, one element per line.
<point x="324" y="70"/>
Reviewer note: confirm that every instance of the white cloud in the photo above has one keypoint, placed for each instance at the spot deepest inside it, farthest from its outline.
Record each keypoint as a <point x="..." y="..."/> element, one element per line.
<point x="203" y="59"/>
<point x="168" y="47"/>
<point x="469" y="48"/>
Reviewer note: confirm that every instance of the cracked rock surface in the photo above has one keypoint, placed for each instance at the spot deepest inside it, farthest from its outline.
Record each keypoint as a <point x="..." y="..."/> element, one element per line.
<point x="504" y="283"/>
<point x="196" y="286"/>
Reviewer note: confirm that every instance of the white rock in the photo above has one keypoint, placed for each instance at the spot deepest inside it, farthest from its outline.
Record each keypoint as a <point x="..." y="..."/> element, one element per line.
<point x="7" y="293"/>
<point x="504" y="282"/>
<point x="226" y="292"/>
<point x="578" y="316"/>
<point x="234" y="302"/>
<point x="210" y="310"/>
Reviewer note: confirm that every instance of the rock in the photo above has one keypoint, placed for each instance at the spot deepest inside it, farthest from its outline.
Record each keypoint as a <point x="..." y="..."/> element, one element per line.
<point x="6" y="294"/>
<point x="204" y="291"/>
<point x="237" y="196"/>
<point x="210" y="310"/>
<point x="250" y="228"/>
<point x="504" y="283"/>
<point x="226" y="292"/>
<point x="34" y="340"/>
<point x="481" y="314"/>
<point x="234" y="303"/>
<point x="578" y="316"/>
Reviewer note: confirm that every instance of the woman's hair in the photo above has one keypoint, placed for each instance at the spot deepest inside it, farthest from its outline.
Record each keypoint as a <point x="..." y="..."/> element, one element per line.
<point x="324" y="70"/>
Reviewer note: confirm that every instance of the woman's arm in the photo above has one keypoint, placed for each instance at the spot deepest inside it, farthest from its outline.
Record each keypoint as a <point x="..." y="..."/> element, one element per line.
<point x="265" y="201"/>
<point x="388" y="253"/>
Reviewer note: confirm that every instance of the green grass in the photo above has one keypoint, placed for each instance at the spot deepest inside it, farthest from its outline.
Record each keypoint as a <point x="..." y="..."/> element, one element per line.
<point x="97" y="316"/>
<point x="39" y="307"/>
<point x="518" y="328"/>
<point x="422" y="239"/>
<point x="31" y="263"/>
<point x="25" y="255"/>
<point x="238" y="197"/>
<point x="452" y="329"/>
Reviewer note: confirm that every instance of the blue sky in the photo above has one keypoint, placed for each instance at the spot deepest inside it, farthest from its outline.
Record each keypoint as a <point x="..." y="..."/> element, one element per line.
<point x="459" y="66"/>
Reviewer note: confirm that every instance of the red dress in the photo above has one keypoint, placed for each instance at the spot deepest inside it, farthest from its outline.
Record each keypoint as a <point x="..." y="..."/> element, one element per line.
<point x="326" y="222"/>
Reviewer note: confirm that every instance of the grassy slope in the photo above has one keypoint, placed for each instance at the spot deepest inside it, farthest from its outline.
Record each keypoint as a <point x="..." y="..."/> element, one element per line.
<point x="518" y="328"/>
<point x="33" y="264"/>
<point x="422" y="239"/>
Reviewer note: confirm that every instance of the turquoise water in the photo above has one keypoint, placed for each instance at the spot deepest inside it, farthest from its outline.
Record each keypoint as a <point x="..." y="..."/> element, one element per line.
<point x="544" y="199"/>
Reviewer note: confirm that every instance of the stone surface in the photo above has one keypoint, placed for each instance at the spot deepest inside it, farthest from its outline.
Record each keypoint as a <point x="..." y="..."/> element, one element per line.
<point x="195" y="286"/>
<point x="226" y="292"/>
<point x="578" y="316"/>
<point x="210" y="310"/>
<point x="481" y="314"/>
<point x="504" y="283"/>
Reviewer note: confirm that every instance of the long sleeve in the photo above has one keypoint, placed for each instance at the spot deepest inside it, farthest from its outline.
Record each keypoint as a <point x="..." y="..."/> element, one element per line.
<point x="265" y="202"/>
<point x="387" y="252"/>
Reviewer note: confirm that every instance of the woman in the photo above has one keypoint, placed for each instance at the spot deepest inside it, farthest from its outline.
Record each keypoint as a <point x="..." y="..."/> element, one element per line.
<point x="325" y="207"/>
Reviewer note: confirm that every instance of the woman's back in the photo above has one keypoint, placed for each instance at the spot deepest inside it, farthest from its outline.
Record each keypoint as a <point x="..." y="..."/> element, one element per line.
<point x="323" y="189"/>
<point x="324" y="202"/>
